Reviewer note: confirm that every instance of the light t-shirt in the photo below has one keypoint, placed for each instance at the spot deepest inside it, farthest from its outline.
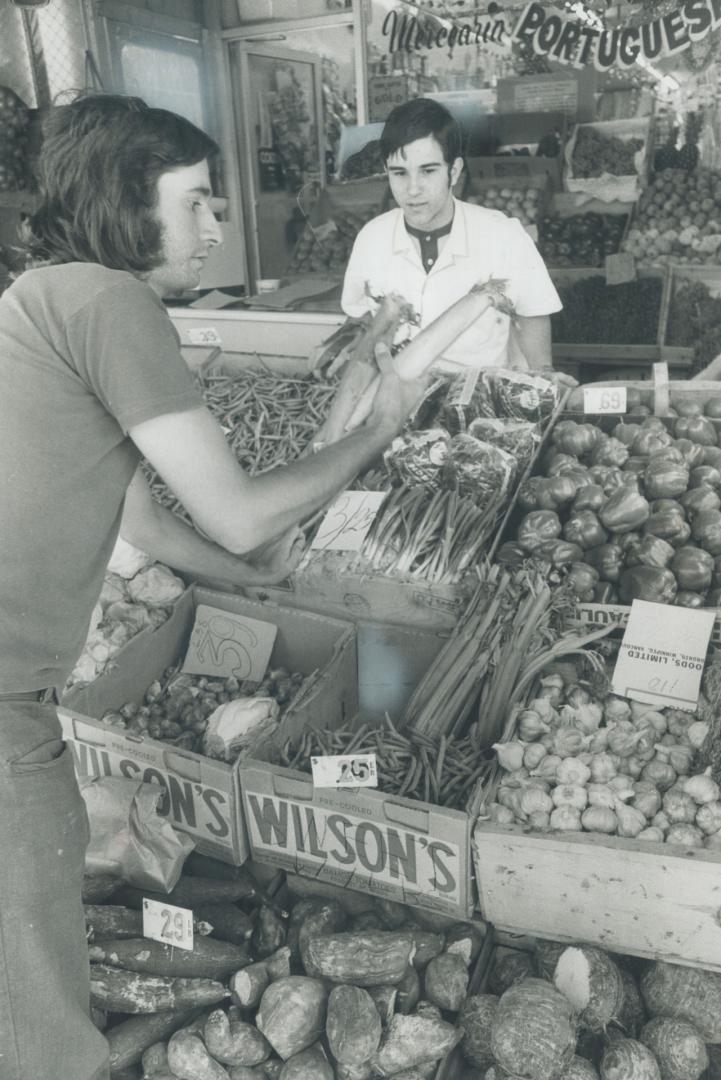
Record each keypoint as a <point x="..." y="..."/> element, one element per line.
<point x="482" y="243"/>
<point x="85" y="354"/>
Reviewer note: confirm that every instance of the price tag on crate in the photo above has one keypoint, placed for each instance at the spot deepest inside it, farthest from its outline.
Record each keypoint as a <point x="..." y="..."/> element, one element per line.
<point x="204" y="335"/>
<point x="662" y="655"/>
<point x="168" y="924"/>
<point x="604" y="399"/>
<point x="346" y="524"/>
<point x="620" y="268"/>
<point x="345" y="770"/>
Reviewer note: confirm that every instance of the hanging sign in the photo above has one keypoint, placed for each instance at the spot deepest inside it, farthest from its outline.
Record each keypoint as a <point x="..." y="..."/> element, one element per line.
<point x="662" y="655"/>
<point x="567" y="41"/>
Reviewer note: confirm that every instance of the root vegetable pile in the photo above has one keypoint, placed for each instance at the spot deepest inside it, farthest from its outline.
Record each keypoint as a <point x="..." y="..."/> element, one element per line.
<point x="327" y="990"/>
<point x="579" y="1013"/>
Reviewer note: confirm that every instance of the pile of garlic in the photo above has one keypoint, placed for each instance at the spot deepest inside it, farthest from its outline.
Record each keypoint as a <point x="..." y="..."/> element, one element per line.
<point x="606" y="766"/>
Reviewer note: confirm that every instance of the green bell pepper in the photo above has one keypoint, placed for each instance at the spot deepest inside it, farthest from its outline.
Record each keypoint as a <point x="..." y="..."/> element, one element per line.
<point x="584" y="528"/>
<point x="624" y="511"/>
<point x="698" y="429"/>
<point x="693" y="568"/>
<point x="538" y="527"/>
<point x="655" y="584"/>
<point x="706" y="530"/>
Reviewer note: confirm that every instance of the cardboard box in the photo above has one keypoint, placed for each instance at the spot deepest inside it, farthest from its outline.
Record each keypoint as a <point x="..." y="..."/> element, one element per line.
<point x="654" y="900"/>
<point x="396" y="848"/>
<point x="609" y="187"/>
<point x="203" y="796"/>
<point x="402" y="849"/>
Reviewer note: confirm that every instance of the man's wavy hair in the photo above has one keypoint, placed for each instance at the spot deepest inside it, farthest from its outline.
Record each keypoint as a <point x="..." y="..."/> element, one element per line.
<point x="99" y="165"/>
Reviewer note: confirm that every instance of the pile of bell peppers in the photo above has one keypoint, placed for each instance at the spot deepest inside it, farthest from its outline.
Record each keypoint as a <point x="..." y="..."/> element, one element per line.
<point x="634" y="514"/>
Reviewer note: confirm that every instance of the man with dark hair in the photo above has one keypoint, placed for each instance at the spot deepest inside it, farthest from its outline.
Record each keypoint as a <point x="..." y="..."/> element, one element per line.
<point x="433" y="248"/>
<point x="92" y="380"/>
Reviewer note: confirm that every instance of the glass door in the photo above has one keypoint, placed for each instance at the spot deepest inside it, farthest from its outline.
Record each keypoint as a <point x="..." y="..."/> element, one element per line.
<point x="278" y="106"/>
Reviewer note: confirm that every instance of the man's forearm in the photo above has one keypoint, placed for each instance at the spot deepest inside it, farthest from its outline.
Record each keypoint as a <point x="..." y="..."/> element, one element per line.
<point x="533" y="338"/>
<point x="166" y="538"/>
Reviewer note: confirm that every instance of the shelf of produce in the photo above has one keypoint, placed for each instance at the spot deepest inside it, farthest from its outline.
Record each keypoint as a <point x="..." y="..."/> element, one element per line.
<point x="631" y="896"/>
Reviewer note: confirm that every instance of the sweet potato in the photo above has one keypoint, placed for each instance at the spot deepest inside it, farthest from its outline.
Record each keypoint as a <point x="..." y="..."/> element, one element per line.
<point x="292" y="1014"/>
<point x="310" y="1064"/>
<point x="353" y="1026"/>
<point x="231" y="1041"/>
<point x="155" y="1059"/>
<point x="131" y="992"/>
<point x="409" y="991"/>
<point x="113" y="921"/>
<point x="269" y="932"/>
<point x="189" y="1060"/>
<point x="410" y="1041"/>
<point x="446" y="981"/>
<point x="228" y="922"/>
<point x="377" y="958"/>
<point x="191" y="892"/>
<point x="209" y="959"/>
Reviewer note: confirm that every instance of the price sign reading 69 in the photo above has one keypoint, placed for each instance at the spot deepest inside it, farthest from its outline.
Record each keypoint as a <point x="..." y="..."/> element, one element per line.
<point x="604" y="399"/>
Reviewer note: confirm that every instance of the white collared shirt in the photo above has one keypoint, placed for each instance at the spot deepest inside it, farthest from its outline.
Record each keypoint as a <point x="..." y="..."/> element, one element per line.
<point x="481" y="244"/>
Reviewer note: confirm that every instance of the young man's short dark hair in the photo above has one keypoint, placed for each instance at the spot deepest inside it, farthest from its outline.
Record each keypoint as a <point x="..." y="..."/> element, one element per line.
<point x="99" y="165"/>
<point x="417" y="119"/>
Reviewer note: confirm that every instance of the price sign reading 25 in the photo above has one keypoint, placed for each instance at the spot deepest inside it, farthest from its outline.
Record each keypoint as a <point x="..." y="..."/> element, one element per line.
<point x="348" y="520"/>
<point x="604" y="399"/>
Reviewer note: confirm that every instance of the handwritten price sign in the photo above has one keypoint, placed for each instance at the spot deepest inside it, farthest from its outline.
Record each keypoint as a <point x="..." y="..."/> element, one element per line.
<point x="168" y="924"/>
<point x="661" y="658"/>
<point x="345" y="526"/>
<point x="345" y="770"/>
<point x="223" y="644"/>
<point x="204" y="335"/>
<point x="604" y="399"/>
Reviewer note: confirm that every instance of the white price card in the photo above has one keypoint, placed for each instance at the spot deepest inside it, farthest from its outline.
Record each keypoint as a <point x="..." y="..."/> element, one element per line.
<point x="662" y="655"/>
<point x="345" y="770"/>
<point x="223" y="644"/>
<point x="346" y="524"/>
<point x="204" y="335"/>
<point x="168" y="924"/>
<point x="604" y="399"/>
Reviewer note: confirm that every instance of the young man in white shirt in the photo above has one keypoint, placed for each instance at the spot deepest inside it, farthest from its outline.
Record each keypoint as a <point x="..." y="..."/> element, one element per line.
<point x="433" y="248"/>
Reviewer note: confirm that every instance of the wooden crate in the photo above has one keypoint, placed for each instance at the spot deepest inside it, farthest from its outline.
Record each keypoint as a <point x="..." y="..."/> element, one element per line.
<point x="652" y="900"/>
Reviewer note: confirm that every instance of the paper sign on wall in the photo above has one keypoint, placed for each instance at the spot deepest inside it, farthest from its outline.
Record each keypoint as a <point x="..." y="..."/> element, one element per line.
<point x="662" y="655"/>
<point x="620" y="268"/>
<point x="604" y="399"/>
<point x="168" y="924"/>
<point x="223" y="644"/>
<point x="346" y="524"/>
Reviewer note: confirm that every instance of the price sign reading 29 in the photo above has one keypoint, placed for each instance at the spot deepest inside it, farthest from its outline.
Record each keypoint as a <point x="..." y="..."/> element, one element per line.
<point x="346" y="524"/>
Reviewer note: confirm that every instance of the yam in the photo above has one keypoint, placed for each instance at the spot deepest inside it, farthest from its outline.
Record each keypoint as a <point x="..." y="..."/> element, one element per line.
<point x="377" y="958"/>
<point x="677" y="1046"/>
<point x="508" y="969"/>
<point x="112" y="921"/>
<point x="446" y="981"/>
<point x="116" y="990"/>
<point x="310" y="1064"/>
<point x="353" y="1026"/>
<point x="579" y="1069"/>
<point x="208" y="959"/>
<point x="427" y="945"/>
<point x="476" y="1019"/>
<point x="685" y="993"/>
<point x="466" y="939"/>
<point x="188" y="1059"/>
<point x="328" y="917"/>
<point x="228" y="922"/>
<point x="628" y="1059"/>
<point x="384" y="999"/>
<point x="192" y="892"/>
<point x="592" y="982"/>
<point x="234" y="1042"/>
<point x="409" y="991"/>
<point x="155" y="1058"/>
<point x="269" y="933"/>
<point x="410" y="1041"/>
<point x="292" y="1014"/>
<point x="533" y="1030"/>
<point x="128" y="1040"/>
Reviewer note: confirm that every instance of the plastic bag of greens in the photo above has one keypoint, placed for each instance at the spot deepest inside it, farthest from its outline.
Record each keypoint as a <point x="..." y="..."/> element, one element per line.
<point x="478" y="470"/>
<point x="520" y="438"/>
<point x="416" y="457"/>
<point x="517" y="394"/>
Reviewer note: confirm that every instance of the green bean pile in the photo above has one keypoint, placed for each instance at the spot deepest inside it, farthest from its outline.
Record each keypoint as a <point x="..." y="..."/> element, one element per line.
<point x="444" y="770"/>
<point x="269" y="419"/>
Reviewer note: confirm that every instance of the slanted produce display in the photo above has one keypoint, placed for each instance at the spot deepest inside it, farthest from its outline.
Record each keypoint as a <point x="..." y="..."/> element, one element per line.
<point x="596" y="313"/>
<point x="633" y="512"/>
<point x="678" y="219"/>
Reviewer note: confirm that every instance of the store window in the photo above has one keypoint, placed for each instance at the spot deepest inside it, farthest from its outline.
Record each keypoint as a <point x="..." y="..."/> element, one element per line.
<point x="294" y="96"/>
<point x="165" y="71"/>
<point x="249" y="12"/>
